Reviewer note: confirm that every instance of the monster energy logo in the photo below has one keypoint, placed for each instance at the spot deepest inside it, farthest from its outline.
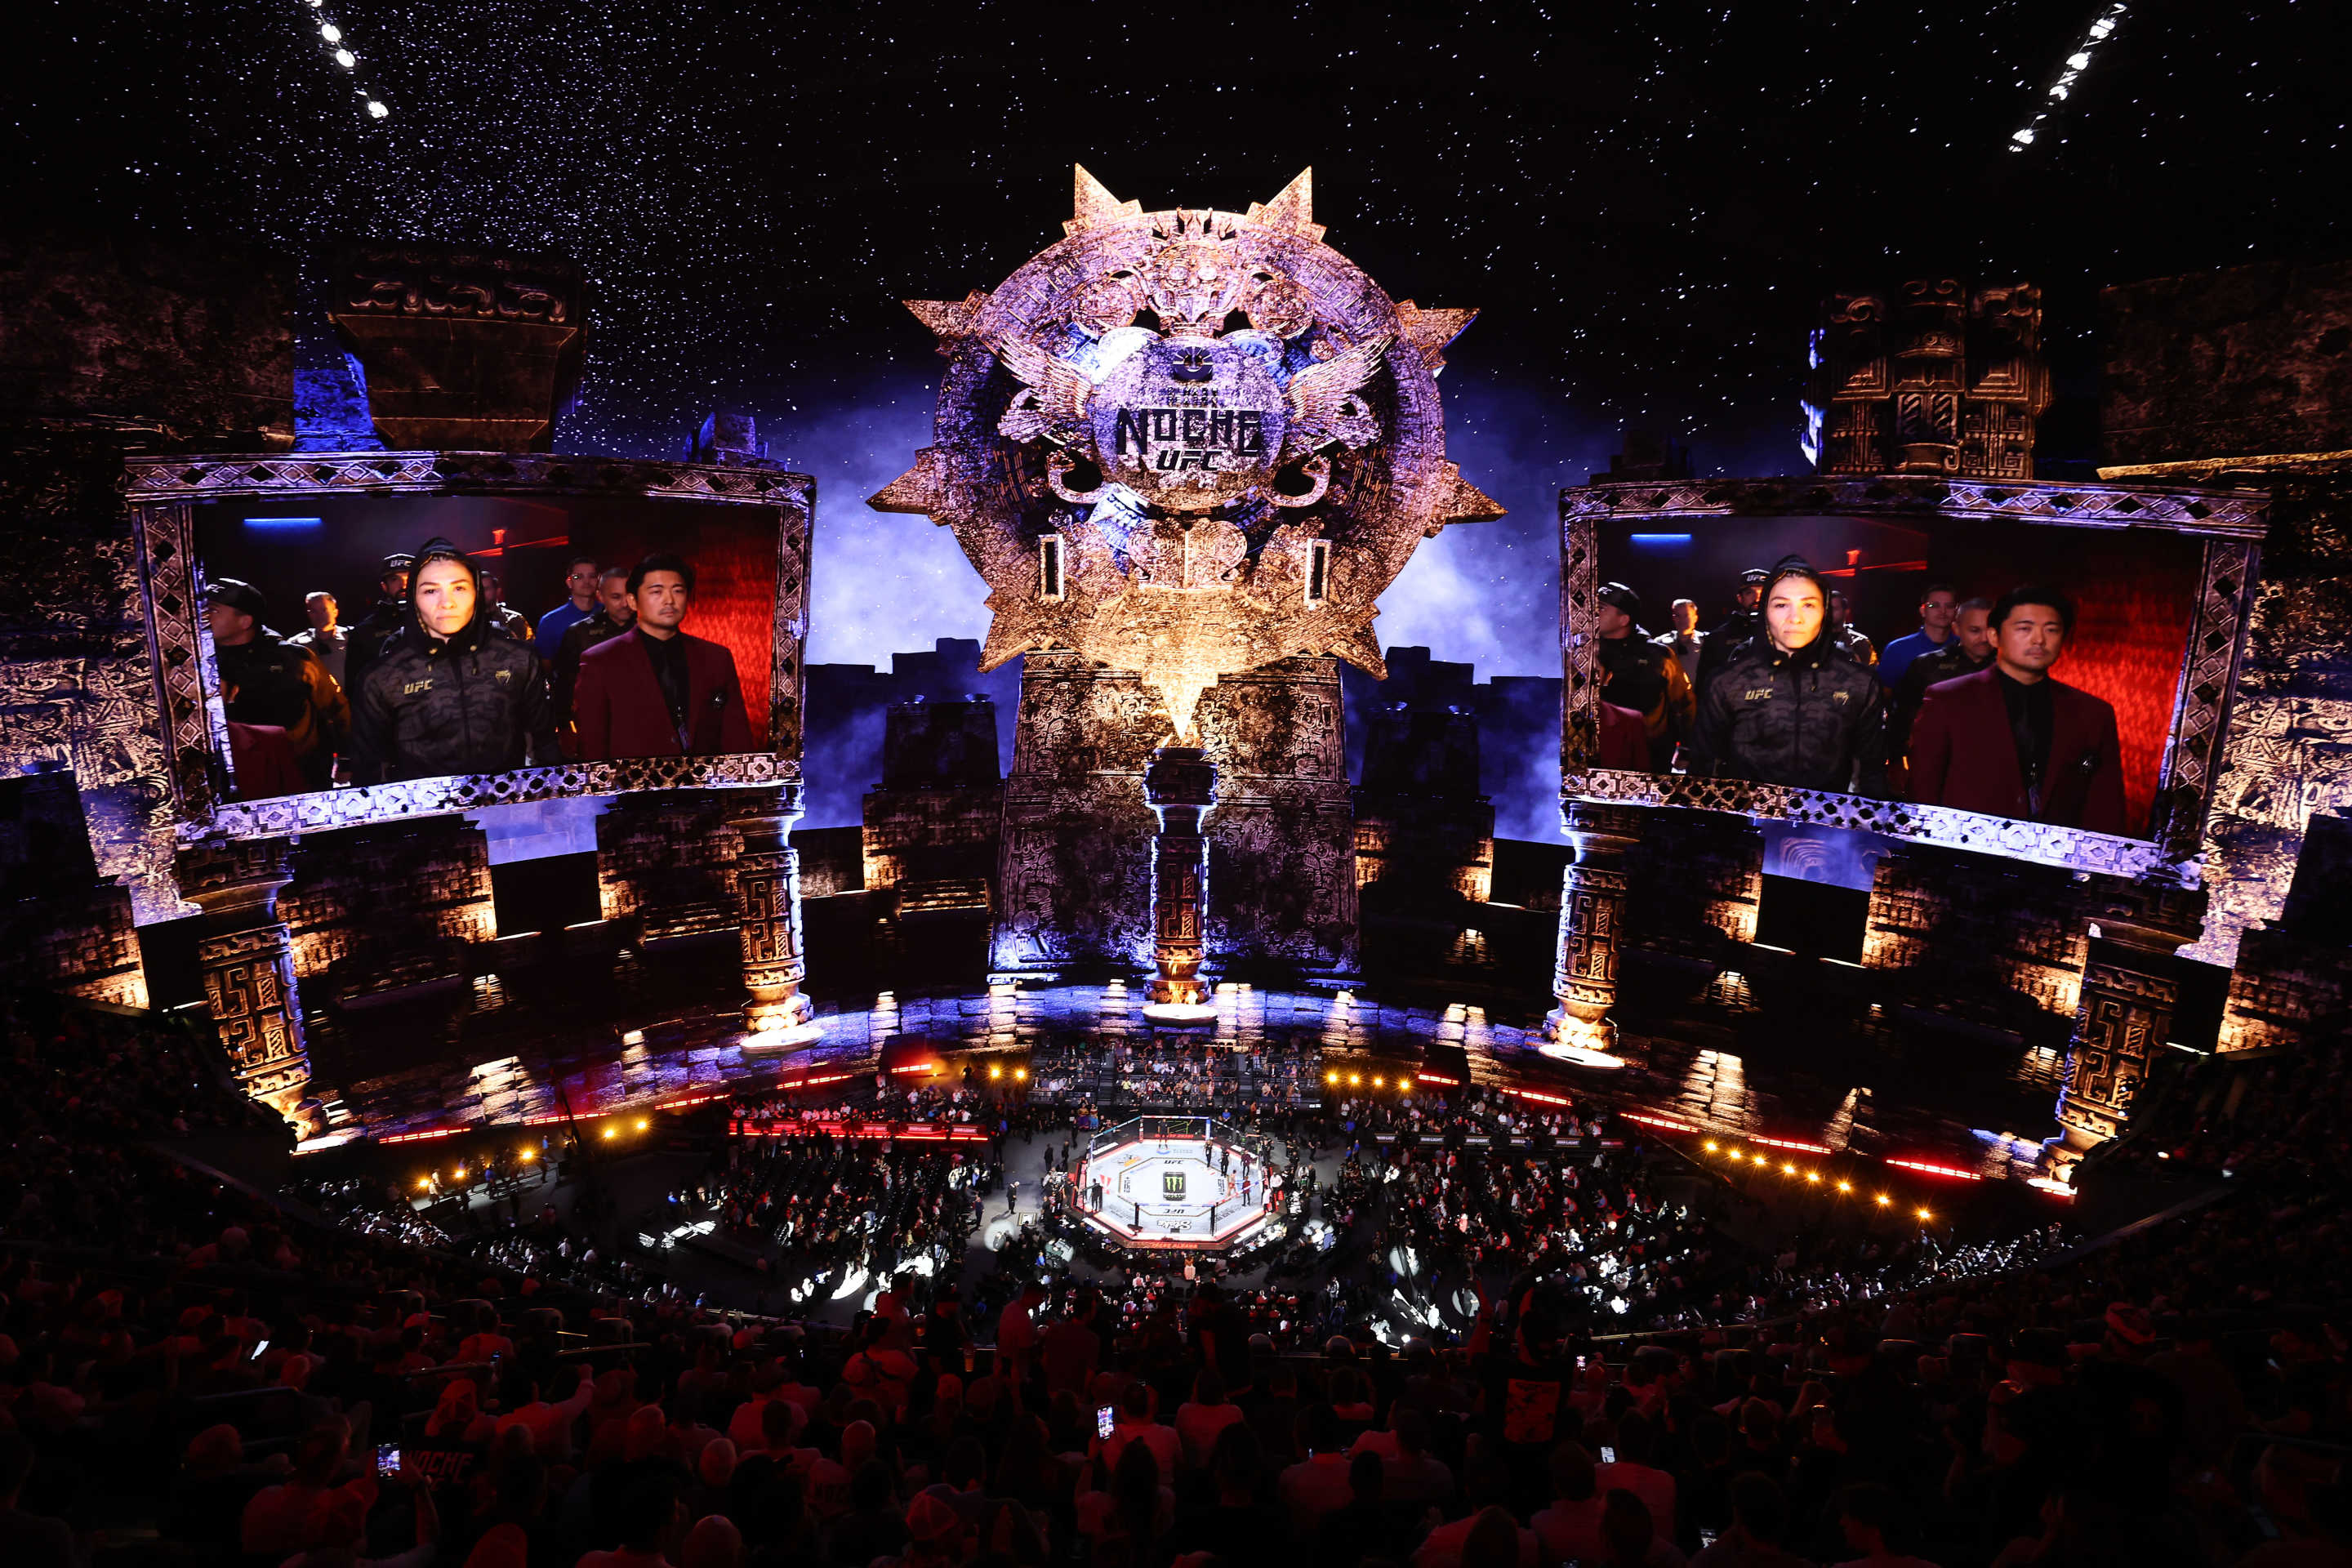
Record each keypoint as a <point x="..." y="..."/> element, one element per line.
<point x="1172" y="1184"/>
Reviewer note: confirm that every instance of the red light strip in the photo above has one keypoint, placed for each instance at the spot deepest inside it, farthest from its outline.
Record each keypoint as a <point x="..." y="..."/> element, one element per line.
<point x="1788" y="1144"/>
<point x="916" y="1066"/>
<point x="1540" y="1098"/>
<point x="1428" y="1077"/>
<point x="1657" y="1122"/>
<point x="421" y="1137"/>
<point x="1877" y="566"/>
<point x="1937" y="1170"/>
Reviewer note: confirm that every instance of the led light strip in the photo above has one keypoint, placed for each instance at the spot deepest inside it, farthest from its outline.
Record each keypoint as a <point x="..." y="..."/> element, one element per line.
<point x="1935" y="1170"/>
<point x="339" y="49"/>
<point x="2076" y="64"/>
<point x="1665" y="1121"/>
<point x="1788" y="1144"/>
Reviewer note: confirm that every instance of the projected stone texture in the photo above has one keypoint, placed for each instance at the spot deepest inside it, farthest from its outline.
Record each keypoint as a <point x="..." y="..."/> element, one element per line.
<point x="2240" y="376"/>
<point x="1996" y="942"/>
<point x="61" y="928"/>
<point x="768" y="911"/>
<point x="373" y="909"/>
<point x="248" y="964"/>
<point x="1282" y="853"/>
<point x="1935" y="377"/>
<point x="2130" y="987"/>
<point x="1697" y="881"/>
<point x="932" y="826"/>
<point x="464" y="349"/>
<point x="76" y="679"/>
<point x="1187" y="451"/>
<point x="667" y="859"/>
<point x="1074" y="868"/>
<point x="1232" y="484"/>
<point x="1424" y="834"/>
<point x="165" y="341"/>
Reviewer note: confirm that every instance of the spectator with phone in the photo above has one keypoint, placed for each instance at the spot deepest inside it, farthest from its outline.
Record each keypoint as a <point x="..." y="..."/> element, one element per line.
<point x="297" y="1514"/>
<point x="1135" y="1425"/>
<point x="1630" y="1470"/>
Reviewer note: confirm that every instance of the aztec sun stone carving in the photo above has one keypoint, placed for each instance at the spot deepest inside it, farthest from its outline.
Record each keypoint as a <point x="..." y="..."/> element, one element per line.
<point x="1188" y="443"/>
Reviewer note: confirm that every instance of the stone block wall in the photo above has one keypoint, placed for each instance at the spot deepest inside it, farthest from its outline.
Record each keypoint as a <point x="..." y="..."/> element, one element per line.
<point x="939" y="815"/>
<point x="394" y="904"/>
<point x="1075" y="867"/>
<point x="1425" y="832"/>
<point x="1694" y="882"/>
<point x="2282" y="989"/>
<point x="667" y="859"/>
<point x="1990" y="942"/>
<point x="1282" y="837"/>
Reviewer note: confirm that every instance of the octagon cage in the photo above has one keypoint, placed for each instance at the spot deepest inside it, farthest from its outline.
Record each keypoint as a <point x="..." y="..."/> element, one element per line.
<point x="1179" y="1182"/>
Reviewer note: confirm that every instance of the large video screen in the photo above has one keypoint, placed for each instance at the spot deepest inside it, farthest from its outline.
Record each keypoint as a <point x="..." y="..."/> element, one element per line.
<point x="2007" y="669"/>
<point x="366" y="640"/>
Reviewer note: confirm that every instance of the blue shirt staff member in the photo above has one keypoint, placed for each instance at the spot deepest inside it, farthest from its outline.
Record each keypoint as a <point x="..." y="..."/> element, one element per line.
<point x="1937" y="606"/>
<point x="580" y="580"/>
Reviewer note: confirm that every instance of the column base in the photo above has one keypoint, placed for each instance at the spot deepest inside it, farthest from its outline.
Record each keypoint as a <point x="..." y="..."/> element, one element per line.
<point x="2061" y="1155"/>
<point x="780" y="1024"/>
<point x="1180" y="1015"/>
<point x="1581" y="1042"/>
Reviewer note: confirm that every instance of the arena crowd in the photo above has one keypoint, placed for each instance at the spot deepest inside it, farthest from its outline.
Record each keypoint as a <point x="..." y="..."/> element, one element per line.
<point x="194" y="1372"/>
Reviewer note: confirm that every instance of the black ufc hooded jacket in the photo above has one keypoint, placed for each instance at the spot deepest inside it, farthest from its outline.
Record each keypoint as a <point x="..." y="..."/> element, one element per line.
<point x="430" y="707"/>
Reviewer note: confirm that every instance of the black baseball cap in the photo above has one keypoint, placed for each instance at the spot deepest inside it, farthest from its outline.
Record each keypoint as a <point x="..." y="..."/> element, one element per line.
<point x="1755" y="577"/>
<point x="1621" y="596"/>
<point x="392" y="563"/>
<point x="237" y="595"/>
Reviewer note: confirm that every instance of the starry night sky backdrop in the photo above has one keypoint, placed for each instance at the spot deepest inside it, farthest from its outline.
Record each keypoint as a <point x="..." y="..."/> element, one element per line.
<point x="1645" y="200"/>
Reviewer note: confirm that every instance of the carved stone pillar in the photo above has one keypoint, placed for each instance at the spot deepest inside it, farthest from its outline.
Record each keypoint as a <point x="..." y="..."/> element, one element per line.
<point x="1591" y="916"/>
<point x="247" y="961"/>
<point x="767" y="896"/>
<point x="1180" y="786"/>
<point x="2129" y="991"/>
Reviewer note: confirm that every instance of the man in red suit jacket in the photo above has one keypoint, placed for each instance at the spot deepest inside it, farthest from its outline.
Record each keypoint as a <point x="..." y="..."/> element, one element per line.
<point x="2011" y="741"/>
<point x="654" y="691"/>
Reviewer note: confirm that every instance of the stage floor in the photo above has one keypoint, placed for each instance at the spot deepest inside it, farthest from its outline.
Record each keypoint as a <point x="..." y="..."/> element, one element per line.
<point x="1717" y="1063"/>
<point x="516" y="1051"/>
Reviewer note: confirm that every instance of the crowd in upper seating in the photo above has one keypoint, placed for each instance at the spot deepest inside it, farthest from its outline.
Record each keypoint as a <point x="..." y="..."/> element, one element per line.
<point x="1279" y="1073"/>
<point x="2286" y="1115"/>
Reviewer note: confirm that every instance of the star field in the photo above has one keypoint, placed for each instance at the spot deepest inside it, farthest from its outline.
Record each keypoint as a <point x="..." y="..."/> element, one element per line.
<point x="1645" y="201"/>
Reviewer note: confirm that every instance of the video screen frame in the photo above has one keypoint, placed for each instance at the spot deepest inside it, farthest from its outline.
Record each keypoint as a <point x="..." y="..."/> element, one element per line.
<point x="2231" y="523"/>
<point x="164" y="493"/>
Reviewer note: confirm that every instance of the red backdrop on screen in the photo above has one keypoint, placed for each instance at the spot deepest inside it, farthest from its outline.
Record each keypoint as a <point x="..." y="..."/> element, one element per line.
<point x="528" y="541"/>
<point x="2134" y="591"/>
<point x="733" y="550"/>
